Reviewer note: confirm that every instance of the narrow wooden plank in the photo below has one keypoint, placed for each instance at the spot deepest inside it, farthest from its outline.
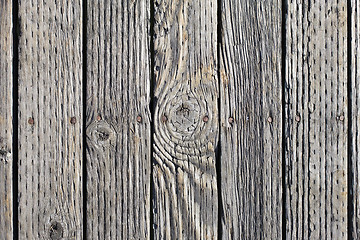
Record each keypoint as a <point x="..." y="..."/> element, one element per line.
<point x="118" y="146"/>
<point x="251" y="128"/>
<point x="50" y="119"/>
<point x="355" y="120"/>
<point x="6" y="118"/>
<point x="316" y="120"/>
<point x="185" y="120"/>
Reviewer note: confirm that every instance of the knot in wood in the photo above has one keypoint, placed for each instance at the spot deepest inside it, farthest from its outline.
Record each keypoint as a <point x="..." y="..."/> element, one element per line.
<point x="184" y="115"/>
<point x="100" y="132"/>
<point x="56" y="231"/>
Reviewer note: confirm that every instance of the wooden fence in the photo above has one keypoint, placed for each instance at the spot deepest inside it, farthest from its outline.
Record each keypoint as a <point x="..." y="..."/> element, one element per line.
<point x="179" y="119"/>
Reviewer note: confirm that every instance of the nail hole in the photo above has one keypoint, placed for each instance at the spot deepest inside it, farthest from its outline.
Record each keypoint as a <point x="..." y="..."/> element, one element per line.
<point x="56" y="231"/>
<point x="72" y="120"/>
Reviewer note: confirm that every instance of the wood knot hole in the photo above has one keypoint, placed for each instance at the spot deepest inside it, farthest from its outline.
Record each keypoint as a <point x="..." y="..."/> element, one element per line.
<point x="102" y="134"/>
<point x="56" y="231"/>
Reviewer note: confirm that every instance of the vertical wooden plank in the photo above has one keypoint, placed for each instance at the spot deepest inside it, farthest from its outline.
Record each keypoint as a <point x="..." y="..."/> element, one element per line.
<point x="355" y="120"/>
<point x="50" y="119"/>
<point x="316" y="120"/>
<point x="251" y="120"/>
<point x="118" y="127"/>
<point x="6" y="117"/>
<point x="185" y="120"/>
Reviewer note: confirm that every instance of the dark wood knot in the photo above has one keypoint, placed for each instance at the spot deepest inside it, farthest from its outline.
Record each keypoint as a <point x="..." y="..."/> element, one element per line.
<point x="56" y="230"/>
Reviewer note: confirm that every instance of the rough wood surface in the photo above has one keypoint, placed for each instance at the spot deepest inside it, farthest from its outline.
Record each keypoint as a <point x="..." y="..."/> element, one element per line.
<point x="6" y="118"/>
<point x="316" y="120"/>
<point x="355" y="120"/>
<point x="118" y="145"/>
<point x="185" y="119"/>
<point x="251" y="165"/>
<point x="50" y="120"/>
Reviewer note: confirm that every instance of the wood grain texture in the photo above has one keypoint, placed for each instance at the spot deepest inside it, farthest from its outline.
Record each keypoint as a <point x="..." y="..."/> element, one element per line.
<point x="251" y="164"/>
<point x="118" y="146"/>
<point x="316" y="120"/>
<point x="185" y="120"/>
<point x="50" y="119"/>
<point x="355" y="120"/>
<point x="6" y="118"/>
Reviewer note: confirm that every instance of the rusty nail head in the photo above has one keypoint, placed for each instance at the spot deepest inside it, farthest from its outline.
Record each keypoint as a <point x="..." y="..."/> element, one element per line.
<point x="231" y="119"/>
<point x="73" y="120"/>
<point x="31" y="121"/>
<point x="98" y="117"/>
<point x="163" y="118"/>
<point x="297" y="118"/>
<point x="270" y="119"/>
<point x="139" y="119"/>
<point x="206" y="119"/>
<point x="342" y="118"/>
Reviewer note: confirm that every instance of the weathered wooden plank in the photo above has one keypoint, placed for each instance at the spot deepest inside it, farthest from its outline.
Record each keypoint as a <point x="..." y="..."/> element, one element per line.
<point x="50" y="119"/>
<point x="118" y="147"/>
<point x="355" y="118"/>
<point x="185" y="120"/>
<point x="6" y="118"/>
<point x="316" y="120"/>
<point x="251" y="164"/>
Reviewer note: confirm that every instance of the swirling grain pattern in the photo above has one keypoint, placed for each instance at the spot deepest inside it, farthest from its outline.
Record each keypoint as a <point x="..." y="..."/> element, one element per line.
<point x="185" y="120"/>
<point x="118" y="127"/>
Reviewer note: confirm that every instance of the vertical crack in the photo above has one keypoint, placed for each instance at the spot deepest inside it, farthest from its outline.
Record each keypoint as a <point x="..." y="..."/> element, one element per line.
<point x="283" y="109"/>
<point x="349" y="93"/>
<point x="218" y="152"/>
<point x="152" y="112"/>
<point x="84" y="77"/>
<point x="16" y="34"/>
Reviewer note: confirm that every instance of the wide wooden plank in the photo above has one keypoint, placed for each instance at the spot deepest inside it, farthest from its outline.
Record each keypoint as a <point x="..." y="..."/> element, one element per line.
<point x="316" y="120"/>
<point x="185" y="120"/>
<point x="355" y="119"/>
<point x="6" y="118"/>
<point x="50" y="119"/>
<point x="118" y="144"/>
<point x="251" y="164"/>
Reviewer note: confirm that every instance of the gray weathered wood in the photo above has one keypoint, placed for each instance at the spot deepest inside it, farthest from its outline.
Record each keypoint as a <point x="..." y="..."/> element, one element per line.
<point x="50" y="119"/>
<point x="355" y="120"/>
<point x="6" y="117"/>
<point x="316" y="120"/>
<point x="185" y="120"/>
<point x="118" y="120"/>
<point x="251" y="165"/>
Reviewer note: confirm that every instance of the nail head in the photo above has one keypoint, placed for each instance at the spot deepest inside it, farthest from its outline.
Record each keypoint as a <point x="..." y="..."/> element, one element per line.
<point x="98" y="118"/>
<point x="139" y="119"/>
<point x="206" y="119"/>
<point x="231" y="119"/>
<point x="297" y="118"/>
<point x="270" y="119"/>
<point x="163" y="118"/>
<point x="31" y="121"/>
<point x="342" y="118"/>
